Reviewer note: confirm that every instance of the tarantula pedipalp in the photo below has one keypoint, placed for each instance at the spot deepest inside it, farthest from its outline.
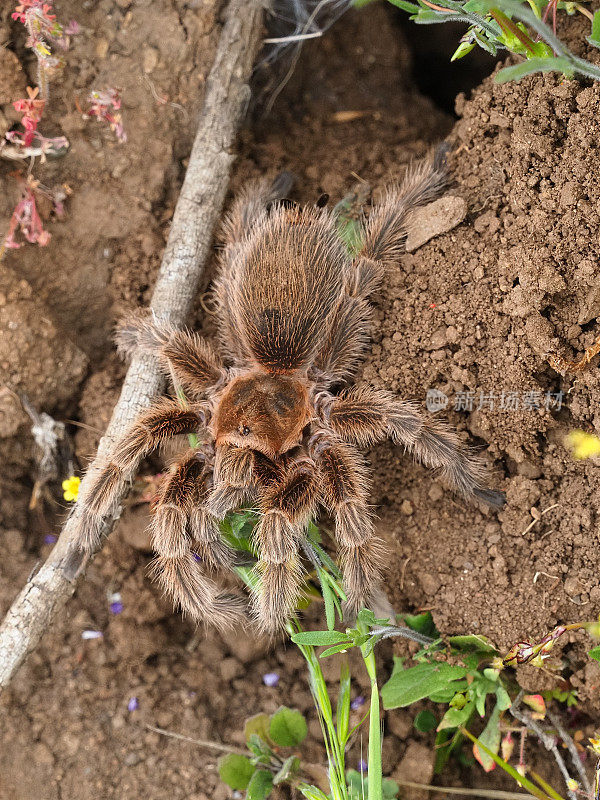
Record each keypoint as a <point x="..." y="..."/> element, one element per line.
<point x="293" y="314"/>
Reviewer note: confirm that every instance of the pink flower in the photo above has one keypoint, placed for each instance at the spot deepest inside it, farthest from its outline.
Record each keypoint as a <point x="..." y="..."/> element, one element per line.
<point x="26" y="219"/>
<point x="32" y="109"/>
<point x="104" y="105"/>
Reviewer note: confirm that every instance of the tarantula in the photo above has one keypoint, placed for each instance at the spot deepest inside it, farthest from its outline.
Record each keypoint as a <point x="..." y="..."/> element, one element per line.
<point x="293" y="318"/>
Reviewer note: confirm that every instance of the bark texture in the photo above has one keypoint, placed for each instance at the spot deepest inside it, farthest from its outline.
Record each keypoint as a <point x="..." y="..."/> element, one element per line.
<point x="188" y="246"/>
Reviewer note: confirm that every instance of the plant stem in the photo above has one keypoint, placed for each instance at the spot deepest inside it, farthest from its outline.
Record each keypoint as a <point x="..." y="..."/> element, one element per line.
<point x="333" y="745"/>
<point x="318" y="687"/>
<point x="374" y="758"/>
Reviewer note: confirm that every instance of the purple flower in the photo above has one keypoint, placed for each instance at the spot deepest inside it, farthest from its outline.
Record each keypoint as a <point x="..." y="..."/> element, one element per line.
<point x="133" y="704"/>
<point x="362" y="766"/>
<point x="271" y="679"/>
<point x="357" y="702"/>
<point x="114" y="603"/>
<point x="50" y="538"/>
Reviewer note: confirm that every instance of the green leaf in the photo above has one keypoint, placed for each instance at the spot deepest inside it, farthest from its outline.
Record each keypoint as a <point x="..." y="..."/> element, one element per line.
<point x="594" y="37"/>
<point x="480" y="704"/>
<point x="489" y="742"/>
<point x="390" y="789"/>
<point x="342" y="715"/>
<point x="259" y="749"/>
<point x="258" y="724"/>
<point x="503" y="698"/>
<point x="288" y="727"/>
<point x="358" y="786"/>
<point x="319" y="638"/>
<point x="406" y="686"/>
<point x="366" y="619"/>
<point x="312" y="792"/>
<point x="422" y="623"/>
<point x="455" y="717"/>
<point x="558" y="64"/>
<point x="446" y="694"/>
<point x="260" y="785"/>
<point x="425" y="721"/>
<point x="339" y="648"/>
<point x="463" y="49"/>
<point x="595" y="653"/>
<point x="328" y="599"/>
<point x="289" y="769"/>
<point x="472" y="643"/>
<point x="446" y="742"/>
<point x="235" y="770"/>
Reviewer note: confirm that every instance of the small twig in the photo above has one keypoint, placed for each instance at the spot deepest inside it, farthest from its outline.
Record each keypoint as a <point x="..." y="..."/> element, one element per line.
<point x="545" y="738"/>
<point x="223" y="748"/>
<point x="493" y="794"/>
<point x="573" y="752"/>
<point x="537" y="519"/>
<point x="563" y="365"/>
<point x="297" y="37"/>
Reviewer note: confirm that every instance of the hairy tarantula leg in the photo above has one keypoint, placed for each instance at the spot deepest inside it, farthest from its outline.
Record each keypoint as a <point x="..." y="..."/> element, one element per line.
<point x="344" y="489"/>
<point x="160" y="422"/>
<point x="385" y="232"/>
<point x="238" y="472"/>
<point x="179" y="512"/>
<point x="364" y="415"/>
<point x="187" y="358"/>
<point x="175" y="567"/>
<point x="252" y="202"/>
<point x="286" y="510"/>
<point x="233" y="476"/>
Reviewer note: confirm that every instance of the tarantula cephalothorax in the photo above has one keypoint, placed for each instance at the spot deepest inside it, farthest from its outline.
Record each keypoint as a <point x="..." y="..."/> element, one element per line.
<point x="293" y="317"/>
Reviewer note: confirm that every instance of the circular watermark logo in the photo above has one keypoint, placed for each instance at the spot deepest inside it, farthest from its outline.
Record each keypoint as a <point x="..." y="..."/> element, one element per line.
<point x="436" y="400"/>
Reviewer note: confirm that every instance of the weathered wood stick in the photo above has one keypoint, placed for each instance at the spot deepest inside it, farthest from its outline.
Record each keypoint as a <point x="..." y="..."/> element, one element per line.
<point x="188" y="248"/>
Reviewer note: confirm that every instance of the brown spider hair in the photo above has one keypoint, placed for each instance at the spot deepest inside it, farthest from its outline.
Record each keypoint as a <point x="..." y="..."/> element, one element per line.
<point x="275" y="430"/>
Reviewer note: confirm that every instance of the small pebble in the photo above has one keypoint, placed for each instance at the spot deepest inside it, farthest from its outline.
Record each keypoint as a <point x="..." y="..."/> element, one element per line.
<point x="92" y="634"/>
<point x="407" y="508"/>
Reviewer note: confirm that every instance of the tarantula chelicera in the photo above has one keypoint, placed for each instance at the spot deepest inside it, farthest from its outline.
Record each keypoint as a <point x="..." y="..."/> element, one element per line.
<point x="293" y="316"/>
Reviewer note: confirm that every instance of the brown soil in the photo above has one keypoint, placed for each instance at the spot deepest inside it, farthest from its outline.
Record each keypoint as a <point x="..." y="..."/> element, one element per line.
<point x="477" y="309"/>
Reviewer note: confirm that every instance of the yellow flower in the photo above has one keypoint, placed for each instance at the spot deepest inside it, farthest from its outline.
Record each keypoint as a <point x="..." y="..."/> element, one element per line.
<point x="582" y="444"/>
<point x="71" y="488"/>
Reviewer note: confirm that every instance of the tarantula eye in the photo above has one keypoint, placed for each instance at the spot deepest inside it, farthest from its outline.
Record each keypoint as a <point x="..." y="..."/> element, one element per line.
<point x="244" y="430"/>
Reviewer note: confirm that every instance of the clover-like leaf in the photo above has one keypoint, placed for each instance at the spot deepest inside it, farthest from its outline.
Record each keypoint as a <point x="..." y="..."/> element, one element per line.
<point x="235" y="770"/>
<point x="288" y="727"/>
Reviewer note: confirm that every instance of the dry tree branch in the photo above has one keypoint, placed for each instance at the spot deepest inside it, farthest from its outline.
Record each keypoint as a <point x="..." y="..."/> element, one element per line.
<point x="188" y="247"/>
<point x="549" y="742"/>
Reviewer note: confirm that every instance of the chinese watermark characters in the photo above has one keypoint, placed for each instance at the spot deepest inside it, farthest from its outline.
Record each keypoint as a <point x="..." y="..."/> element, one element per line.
<point x="529" y="400"/>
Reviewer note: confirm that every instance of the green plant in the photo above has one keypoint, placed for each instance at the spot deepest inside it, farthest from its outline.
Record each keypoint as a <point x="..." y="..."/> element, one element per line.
<point x="517" y="27"/>
<point x="237" y="530"/>
<point x="465" y="674"/>
<point x="265" y="767"/>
